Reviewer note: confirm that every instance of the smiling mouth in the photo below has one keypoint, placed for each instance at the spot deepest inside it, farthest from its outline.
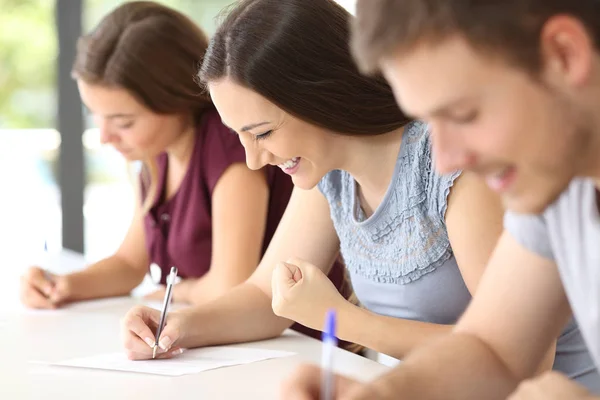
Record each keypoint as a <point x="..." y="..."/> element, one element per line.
<point x="501" y="180"/>
<point x="289" y="165"/>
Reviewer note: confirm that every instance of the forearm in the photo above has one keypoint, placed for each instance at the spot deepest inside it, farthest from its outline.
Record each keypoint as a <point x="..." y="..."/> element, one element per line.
<point x="244" y="314"/>
<point x="395" y="337"/>
<point x="457" y="366"/>
<point x="106" y="278"/>
<point x="207" y="288"/>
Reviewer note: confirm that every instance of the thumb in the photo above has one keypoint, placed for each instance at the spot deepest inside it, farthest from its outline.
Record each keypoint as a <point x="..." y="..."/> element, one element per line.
<point x="170" y="334"/>
<point x="284" y="278"/>
<point x="60" y="289"/>
<point x="287" y="274"/>
<point x="40" y="279"/>
<point x="303" y="267"/>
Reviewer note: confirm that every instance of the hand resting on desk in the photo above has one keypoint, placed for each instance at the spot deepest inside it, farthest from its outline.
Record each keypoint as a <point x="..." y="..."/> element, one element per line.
<point x="41" y="289"/>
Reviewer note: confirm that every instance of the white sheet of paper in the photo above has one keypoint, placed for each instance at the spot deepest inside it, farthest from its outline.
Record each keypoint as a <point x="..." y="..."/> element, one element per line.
<point x="190" y="362"/>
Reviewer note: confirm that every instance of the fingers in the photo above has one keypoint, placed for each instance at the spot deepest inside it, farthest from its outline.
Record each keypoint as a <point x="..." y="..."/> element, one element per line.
<point x="282" y="281"/>
<point x="174" y="352"/>
<point x="304" y="384"/>
<point x="294" y="272"/>
<point x="32" y="298"/>
<point x="40" y="280"/>
<point x="286" y="275"/>
<point x="60" y="291"/>
<point x="138" y="330"/>
<point x="34" y="289"/>
<point x="138" y="337"/>
<point x="171" y="333"/>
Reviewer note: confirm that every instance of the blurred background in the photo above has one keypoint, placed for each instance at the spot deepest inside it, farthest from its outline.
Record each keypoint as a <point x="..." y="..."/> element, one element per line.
<point x="58" y="184"/>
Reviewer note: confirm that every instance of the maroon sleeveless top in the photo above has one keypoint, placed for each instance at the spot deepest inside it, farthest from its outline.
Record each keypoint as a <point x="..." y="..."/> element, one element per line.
<point x="179" y="231"/>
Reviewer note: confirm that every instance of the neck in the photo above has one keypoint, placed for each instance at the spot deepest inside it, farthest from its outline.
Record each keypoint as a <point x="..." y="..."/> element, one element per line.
<point x="180" y="151"/>
<point x="371" y="159"/>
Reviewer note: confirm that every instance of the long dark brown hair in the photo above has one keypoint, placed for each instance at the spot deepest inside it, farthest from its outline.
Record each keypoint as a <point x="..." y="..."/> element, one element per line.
<point x="151" y="51"/>
<point x="296" y="54"/>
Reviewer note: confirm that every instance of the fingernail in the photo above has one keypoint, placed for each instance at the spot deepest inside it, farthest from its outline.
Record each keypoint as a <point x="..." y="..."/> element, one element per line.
<point x="178" y="352"/>
<point x="149" y="342"/>
<point x="165" y="343"/>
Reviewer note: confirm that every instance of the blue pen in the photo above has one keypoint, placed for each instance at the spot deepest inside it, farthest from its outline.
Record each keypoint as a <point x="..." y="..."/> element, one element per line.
<point x="329" y="344"/>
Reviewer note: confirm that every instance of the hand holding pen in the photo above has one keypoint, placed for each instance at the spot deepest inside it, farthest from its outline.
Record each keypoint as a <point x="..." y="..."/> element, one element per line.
<point x="321" y="383"/>
<point x="42" y="289"/>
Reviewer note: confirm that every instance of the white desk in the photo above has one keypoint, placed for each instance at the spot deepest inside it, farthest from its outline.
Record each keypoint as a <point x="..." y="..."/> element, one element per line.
<point x="93" y="327"/>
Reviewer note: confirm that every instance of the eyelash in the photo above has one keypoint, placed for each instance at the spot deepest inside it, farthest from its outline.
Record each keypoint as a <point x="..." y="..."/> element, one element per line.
<point x="126" y="126"/>
<point x="469" y="117"/>
<point x="263" y="136"/>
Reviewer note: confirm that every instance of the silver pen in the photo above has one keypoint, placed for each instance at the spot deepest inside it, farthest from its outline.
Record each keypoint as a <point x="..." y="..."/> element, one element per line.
<point x="165" y="308"/>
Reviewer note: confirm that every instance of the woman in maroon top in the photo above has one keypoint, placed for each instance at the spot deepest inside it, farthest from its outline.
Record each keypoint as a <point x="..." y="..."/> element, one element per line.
<point x="201" y="209"/>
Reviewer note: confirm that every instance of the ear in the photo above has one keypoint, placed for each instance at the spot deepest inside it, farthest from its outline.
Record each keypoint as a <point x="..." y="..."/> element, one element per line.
<point x="567" y="51"/>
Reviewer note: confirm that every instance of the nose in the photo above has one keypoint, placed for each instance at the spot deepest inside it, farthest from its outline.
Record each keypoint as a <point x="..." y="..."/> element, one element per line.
<point x="256" y="157"/>
<point x="450" y="152"/>
<point x="107" y="136"/>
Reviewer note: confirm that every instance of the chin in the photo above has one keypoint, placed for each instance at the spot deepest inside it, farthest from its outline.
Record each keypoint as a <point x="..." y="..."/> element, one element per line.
<point x="303" y="183"/>
<point x="533" y="200"/>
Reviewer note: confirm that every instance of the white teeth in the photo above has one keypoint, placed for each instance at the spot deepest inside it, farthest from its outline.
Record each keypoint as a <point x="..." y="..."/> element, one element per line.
<point x="500" y="173"/>
<point x="289" y="163"/>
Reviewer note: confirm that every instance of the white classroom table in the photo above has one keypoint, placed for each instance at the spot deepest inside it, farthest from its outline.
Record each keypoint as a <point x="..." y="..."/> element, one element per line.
<point x="91" y="328"/>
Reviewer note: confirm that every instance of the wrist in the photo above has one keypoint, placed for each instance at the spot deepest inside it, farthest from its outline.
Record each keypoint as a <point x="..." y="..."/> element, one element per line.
<point x="182" y="292"/>
<point x="71" y="287"/>
<point x="192" y="321"/>
<point x="351" y="320"/>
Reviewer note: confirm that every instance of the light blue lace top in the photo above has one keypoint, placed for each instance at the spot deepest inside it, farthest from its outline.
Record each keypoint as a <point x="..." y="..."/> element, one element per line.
<point x="406" y="236"/>
<point x="400" y="259"/>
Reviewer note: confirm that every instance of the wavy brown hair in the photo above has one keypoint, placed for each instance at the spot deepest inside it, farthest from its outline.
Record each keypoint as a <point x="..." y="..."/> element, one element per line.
<point x="153" y="52"/>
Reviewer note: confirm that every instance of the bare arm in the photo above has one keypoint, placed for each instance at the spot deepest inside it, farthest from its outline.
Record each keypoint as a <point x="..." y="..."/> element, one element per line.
<point x="118" y="274"/>
<point x="239" y="217"/>
<point x="518" y="312"/>
<point x="244" y="313"/>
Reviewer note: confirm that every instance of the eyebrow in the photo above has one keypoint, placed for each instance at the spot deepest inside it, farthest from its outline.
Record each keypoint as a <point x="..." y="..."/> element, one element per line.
<point x="252" y="126"/>
<point x="110" y="116"/>
<point x="113" y="116"/>
<point x="444" y="110"/>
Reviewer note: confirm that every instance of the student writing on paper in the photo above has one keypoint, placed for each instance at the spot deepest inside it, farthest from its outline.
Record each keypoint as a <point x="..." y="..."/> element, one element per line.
<point x="512" y="91"/>
<point x="201" y="209"/>
<point x="415" y="242"/>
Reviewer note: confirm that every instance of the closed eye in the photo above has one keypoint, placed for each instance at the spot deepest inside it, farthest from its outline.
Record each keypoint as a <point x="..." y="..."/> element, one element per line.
<point x="125" y="125"/>
<point x="263" y="136"/>
<point x="465" y="118"/>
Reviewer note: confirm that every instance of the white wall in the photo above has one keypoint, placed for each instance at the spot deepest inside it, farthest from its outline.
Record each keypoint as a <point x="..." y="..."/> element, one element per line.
<point x="349" y="5"/>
